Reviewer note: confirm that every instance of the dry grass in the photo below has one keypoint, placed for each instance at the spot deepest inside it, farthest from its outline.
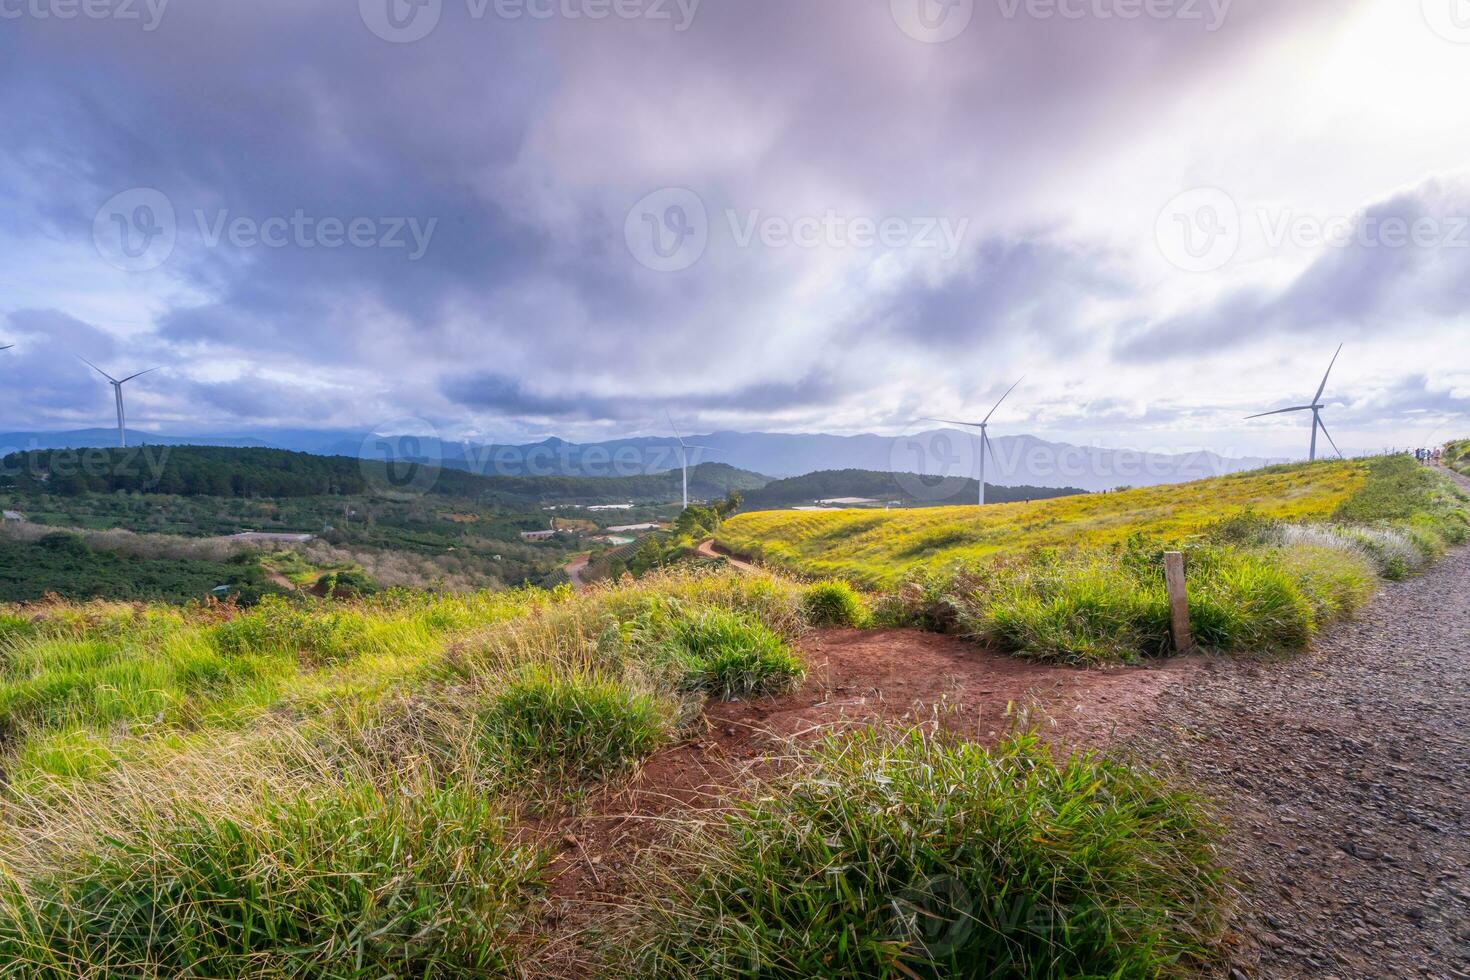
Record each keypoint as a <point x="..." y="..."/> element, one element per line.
<point x="876" y="550"/>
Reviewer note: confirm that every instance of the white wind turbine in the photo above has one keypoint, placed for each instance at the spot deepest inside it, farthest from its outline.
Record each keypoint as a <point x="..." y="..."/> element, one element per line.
<point x="983" y="425"/>
<point x="1315" y="408"/>
<point x="684" y="448"/>
<point x="122" y="434"/>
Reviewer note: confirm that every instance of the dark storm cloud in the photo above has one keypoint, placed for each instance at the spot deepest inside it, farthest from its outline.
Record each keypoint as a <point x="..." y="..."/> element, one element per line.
<point x="1001" y="289"/>
<point x="527" y="141"/>
<point x="1403" y="259"/>
<point x="513" y="397"/>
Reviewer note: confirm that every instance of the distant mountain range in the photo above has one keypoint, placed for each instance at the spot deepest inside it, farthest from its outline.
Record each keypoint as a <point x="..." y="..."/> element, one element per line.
<point x="946" y="455"/>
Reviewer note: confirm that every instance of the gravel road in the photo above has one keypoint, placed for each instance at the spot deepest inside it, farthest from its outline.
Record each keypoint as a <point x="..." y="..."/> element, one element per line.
<point x="1344" y="778"/>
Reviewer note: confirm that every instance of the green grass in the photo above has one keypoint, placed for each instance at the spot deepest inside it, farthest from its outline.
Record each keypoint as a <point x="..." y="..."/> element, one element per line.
<point x="352" y="882"/>
<point x="1457" y="456"/>
<point x="559" y="728"/>
<point x="878" y="551"/>
<point x="834" y="603"/>
<point x="731" y="656"/>
<point x="918" y="857"/>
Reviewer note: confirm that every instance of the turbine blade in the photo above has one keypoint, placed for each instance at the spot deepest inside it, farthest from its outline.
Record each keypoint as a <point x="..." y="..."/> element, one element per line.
<point x="7" y="347"/>
<point x="97" y="369"/>
<point x="1318" y="397"/>
<point x="970" y="425"/>
<point x="986" y="447"/>
<point x="1329" y="437"/>
<point x="670" y="416"/>
<point x="1280" y="411"/>
<point x="138" y="375"/>
<point x="1003" y="398"/>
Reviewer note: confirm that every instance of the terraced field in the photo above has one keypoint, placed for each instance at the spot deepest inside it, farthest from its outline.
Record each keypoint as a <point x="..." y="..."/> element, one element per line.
<point x="877" y="548"/>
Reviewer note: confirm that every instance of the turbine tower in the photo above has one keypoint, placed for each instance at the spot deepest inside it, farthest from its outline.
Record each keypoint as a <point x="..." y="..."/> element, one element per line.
<point x="117" y="393"/>
<point x="684" y="448"/>
<point x="983" y="425"/>
<point x="1315" y="408"/>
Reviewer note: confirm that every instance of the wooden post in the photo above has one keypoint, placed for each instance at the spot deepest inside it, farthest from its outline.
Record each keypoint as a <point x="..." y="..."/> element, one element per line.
<point x="1178" y="601"/>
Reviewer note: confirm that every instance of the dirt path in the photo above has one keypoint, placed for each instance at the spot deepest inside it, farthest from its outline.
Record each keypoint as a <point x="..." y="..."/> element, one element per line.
<point x="1345" y="779"/>
<point x="574" y="570"/>
<point x="708" y="549"/>
<point x="854" y="678"/>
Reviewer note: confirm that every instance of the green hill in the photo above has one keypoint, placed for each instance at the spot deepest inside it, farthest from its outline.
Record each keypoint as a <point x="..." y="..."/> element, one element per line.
<point x="910" y="489"/>
<point x="219" y="471"/>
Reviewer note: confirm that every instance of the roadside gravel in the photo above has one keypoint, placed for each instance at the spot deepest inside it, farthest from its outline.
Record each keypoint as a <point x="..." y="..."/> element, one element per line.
<point x="1344" y="779"/>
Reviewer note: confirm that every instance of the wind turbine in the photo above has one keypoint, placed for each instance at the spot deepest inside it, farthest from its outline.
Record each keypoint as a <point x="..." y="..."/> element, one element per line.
<point x="1315" y="408"/>
<point x="122" y="434"/>
<point x="684" y="448"/>
<point x="983" y="425"/>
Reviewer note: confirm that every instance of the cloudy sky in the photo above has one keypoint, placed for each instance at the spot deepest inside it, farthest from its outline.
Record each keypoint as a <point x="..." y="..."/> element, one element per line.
<point x="516" y="218"/>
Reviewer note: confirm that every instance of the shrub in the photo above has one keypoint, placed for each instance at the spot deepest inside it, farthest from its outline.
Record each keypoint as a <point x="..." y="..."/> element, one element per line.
<point x="1073" y="612"/>
<point x="833" y="603"/>
<point x="574" y="727"/>
<point x="355" y="882"/>
<point x="729" y="656"/>
<point x="922" y="858"/>
<point x="318" y="637"/>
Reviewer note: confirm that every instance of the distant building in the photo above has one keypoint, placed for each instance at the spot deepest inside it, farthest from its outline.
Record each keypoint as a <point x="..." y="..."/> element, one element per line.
<point x="537" y="535"/>
<point x="272" y="536"/>
<point x="847" y="502"/>
<point x="611" y="507"/>
<point x="13" y="515"/>
<point x="634" y="528"/>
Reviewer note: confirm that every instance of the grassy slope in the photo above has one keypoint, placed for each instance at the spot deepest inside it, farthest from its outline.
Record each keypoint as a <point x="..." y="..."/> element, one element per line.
<point x="240" y="792"/>
<point x="1457" y="456"/>
<point x="257" y="787"/>
<point x="876" y="549"/>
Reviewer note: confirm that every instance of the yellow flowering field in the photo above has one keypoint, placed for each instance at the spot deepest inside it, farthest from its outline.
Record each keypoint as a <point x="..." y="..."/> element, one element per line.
<point x="877" y="547"/>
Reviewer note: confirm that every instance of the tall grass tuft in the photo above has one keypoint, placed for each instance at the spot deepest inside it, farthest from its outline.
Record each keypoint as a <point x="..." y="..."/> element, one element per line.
<point x="834" y="603"/>
<point x="569" y="727"/>
<point x="730" y="656"/>
<point x="354" y="881"/>
<point x="917" y="857"/>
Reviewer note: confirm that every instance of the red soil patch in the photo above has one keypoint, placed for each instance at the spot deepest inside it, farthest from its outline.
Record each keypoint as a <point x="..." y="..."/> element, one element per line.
<point x="854" y="678"/>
